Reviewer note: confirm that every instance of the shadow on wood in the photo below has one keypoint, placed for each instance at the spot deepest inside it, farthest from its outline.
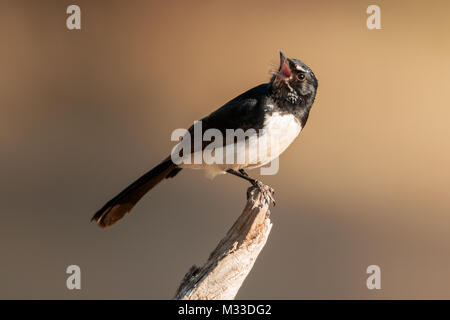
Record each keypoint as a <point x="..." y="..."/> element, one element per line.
<point x="230" y="263"/>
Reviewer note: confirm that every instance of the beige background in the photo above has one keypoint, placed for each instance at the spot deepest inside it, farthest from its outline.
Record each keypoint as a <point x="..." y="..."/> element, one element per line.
<point x="83" y="113"/>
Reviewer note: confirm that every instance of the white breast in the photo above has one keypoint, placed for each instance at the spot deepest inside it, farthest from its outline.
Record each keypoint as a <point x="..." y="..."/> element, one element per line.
<point x="280" y="130"/>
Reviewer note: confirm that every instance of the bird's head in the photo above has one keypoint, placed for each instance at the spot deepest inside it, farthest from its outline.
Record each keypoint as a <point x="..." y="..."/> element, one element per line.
<point x="294" y="81"/>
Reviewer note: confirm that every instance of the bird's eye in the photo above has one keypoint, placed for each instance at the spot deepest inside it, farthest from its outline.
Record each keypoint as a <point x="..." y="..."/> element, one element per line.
<point x="301" y="76"/>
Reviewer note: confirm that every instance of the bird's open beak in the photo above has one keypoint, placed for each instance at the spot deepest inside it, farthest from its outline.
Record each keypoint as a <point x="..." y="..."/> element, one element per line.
<point x="284" y="71"/>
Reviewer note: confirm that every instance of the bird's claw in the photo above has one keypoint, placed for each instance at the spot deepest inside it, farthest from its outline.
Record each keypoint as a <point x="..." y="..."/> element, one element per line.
<point x="266" y="192"/>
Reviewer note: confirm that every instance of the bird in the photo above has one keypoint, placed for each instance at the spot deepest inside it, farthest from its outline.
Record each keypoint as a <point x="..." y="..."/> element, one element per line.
<point x="275" y="111"/>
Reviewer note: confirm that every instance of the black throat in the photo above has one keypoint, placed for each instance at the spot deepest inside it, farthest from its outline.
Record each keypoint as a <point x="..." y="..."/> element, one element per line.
<point x="289" y="101"/>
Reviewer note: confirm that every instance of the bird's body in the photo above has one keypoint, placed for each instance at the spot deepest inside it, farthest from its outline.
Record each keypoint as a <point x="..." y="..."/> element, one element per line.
<point x="268" y="125"/>
<point x="272" y="114"/>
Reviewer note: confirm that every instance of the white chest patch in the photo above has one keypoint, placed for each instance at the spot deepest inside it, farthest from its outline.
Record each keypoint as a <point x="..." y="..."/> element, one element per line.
<point x="280" y="130"/>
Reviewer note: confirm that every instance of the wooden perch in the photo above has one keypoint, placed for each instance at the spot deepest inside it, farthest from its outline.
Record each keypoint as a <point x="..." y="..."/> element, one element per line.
<point x="229" y="264"/>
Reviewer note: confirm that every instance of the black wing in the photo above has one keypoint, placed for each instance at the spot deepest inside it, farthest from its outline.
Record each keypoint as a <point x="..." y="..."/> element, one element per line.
<point x="243" y="112"/>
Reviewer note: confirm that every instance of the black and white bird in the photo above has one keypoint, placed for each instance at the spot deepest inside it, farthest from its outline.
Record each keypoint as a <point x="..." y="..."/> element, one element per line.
<point x="277" y="111"/>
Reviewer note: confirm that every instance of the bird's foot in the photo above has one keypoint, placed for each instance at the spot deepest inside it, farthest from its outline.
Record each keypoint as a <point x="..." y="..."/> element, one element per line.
<point x="266" y="192"/>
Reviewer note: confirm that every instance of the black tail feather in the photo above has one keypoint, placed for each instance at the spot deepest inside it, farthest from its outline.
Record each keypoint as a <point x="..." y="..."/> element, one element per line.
<point x="121" y="204"/>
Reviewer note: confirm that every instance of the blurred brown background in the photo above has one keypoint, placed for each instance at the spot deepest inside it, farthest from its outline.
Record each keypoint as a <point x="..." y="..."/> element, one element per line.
<point x="83" y="113"/>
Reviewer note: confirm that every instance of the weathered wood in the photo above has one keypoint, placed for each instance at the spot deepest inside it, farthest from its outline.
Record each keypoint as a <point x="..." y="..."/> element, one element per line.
<point x="230" y="263"/>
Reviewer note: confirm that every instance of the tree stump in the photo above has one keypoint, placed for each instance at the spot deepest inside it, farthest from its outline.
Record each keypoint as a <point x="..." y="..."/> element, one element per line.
<point x="229" y="264"/>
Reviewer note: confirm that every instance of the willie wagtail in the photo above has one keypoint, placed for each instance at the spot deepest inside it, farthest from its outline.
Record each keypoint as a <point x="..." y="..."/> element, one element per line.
<point x="277" y="110"/>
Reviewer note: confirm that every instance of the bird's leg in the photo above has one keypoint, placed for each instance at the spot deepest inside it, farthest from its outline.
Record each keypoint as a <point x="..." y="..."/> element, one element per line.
<point x="258" y="184"/>
<point x="266" y="191"/>
<point x="243" y="172"/>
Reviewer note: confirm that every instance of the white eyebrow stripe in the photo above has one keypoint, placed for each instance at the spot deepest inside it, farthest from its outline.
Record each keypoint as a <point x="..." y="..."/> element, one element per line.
<point x="299" y="68"/>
